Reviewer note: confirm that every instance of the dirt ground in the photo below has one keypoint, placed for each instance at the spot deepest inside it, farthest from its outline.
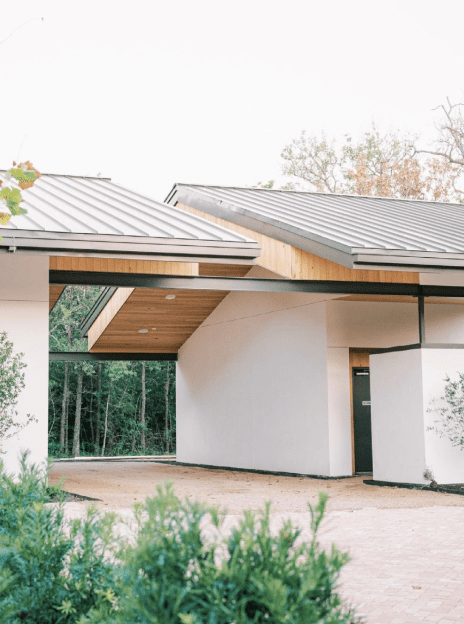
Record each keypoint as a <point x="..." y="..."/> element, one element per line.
<point x="119" y="484"/>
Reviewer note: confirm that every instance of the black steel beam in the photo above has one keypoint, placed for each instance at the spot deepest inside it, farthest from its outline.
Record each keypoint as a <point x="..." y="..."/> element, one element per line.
<point x="418" y="345"/>
<point x="420" y="305"/>
<point x="249" y="284"/>
<point x="73" y="356"/>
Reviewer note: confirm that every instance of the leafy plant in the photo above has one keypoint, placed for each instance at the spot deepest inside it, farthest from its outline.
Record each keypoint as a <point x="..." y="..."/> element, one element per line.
<point x="10" y="196"/>
<point x="176" y="569"/>
<point x="11" y="384"/>
<point x="174" y="574"/>
<point x="50" y="571"/>
<point x="450" y="422"/>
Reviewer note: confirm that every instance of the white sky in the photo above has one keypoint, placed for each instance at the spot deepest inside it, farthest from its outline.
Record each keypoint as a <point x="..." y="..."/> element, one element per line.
<point x="151" y="93"/>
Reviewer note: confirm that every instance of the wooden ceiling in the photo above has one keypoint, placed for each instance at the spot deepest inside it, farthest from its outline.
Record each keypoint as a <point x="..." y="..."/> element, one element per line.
<point x="223" y="270"/>
<point x="170" y="322"/>
<point x="116" y="329"/>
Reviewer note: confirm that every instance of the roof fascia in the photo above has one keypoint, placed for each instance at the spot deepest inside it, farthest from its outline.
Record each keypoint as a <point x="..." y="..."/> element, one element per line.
<point x="121" y="239"/>
<point x="400" y="253"/>
<point x="408" y="263"/>
<point x="164" y="251"/>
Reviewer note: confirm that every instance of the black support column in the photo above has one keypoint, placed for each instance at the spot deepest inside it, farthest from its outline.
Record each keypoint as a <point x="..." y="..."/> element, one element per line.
<point x="420" y="301"/>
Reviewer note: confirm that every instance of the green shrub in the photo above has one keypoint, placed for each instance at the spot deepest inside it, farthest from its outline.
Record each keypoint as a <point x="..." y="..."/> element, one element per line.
<point x="53" y="571"/>
<point x="173" y="574"/>
<point x="50" y="571"/>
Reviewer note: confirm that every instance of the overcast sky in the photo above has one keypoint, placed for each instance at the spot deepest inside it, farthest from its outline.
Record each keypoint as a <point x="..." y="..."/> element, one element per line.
<point x="151" y="93"/>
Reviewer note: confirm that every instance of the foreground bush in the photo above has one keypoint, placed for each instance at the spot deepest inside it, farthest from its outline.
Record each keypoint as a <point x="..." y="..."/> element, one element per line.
<point x="171" y="573"/>
<point x="50" y="571"/>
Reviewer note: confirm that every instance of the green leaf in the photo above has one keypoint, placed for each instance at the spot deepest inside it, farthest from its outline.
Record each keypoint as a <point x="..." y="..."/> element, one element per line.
<point x="23" y="176"/>
<point x="12" y="197"/>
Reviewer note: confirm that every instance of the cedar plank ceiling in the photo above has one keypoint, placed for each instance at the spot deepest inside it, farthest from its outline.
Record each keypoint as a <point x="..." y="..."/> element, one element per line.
<point x="175" y="320"/>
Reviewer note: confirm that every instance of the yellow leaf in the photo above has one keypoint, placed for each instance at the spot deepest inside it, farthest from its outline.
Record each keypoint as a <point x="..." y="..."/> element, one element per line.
<point x="26" y="185"/>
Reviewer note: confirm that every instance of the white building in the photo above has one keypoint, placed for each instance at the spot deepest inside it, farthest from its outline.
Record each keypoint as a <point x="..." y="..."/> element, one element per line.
<point x="274" y="369"/>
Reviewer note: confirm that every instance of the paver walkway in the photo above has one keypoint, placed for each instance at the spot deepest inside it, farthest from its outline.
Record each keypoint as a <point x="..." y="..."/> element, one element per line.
<point x="407" y="547"/>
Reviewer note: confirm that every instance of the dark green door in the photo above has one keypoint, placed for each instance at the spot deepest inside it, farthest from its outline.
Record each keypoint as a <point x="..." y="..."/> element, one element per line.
<point x="362" y="420"/>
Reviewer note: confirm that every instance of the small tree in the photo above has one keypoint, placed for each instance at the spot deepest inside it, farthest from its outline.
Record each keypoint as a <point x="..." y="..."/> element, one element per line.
<point x="11" y="384"/>
<point x="450" y="422"/>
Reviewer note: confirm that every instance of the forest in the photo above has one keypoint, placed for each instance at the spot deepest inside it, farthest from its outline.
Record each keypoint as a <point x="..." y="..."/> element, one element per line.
<point x="105" y="408"/>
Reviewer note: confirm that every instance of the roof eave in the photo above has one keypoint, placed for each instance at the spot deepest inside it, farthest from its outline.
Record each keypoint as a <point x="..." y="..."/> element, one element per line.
<point x="404" y="262"/>
<point x="352" y="257"/>
<point x="119" y="247"/>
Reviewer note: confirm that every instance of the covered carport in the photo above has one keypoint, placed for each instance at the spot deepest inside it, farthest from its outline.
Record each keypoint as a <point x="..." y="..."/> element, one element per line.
<point x="264" y="378"/>
<point x="91" y="225"/>
<point x="263" y="384"/>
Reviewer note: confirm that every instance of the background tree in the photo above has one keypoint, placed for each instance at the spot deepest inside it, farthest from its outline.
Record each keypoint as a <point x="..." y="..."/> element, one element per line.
<point x="382" y="164"/>
<point x="11" y="384"/>
<point x="119" y="408"/>
<point x="448" y="145"/>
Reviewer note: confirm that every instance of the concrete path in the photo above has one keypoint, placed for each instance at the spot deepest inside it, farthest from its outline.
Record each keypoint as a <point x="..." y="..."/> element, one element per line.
<point x="407" y="547"/>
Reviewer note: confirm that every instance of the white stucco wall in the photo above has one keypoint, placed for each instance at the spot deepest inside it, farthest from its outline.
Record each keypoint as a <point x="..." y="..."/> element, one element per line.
<point x="24" y="293"/>
<point x="403" y="385"/>
<point x="445" y="461"/>
<point x="264" y="383"/>
<point x="398" y="447"/>
<point x="447" y="278"/>
<point x="252" y="386"/>
<point x="339" y="411"/>
<point x="378" y="325"/>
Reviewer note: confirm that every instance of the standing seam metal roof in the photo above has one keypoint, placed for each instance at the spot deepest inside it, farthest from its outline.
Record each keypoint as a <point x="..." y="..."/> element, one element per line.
<point x="96" y="209"/>
<point x="353" y="221"/>
<point x="349" y="224"/>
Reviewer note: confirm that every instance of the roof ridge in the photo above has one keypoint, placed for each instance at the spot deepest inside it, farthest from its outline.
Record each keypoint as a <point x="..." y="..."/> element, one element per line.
<point x="318" y="193"/>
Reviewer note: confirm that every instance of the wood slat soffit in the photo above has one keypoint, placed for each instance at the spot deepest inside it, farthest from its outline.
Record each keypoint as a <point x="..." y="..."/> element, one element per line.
<point x="168" y="322"/>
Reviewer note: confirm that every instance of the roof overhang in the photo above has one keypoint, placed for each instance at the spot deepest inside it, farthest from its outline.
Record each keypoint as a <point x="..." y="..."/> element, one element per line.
<point x="400" y="260"/>
<point x="353" y="258"/>
<point x="142" y="248"/>
<point x="94" y="217"/>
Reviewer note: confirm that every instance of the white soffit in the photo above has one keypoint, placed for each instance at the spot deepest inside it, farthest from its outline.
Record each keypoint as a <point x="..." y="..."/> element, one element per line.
<point x="358" y="232"/>
<point x="72" y="215"/>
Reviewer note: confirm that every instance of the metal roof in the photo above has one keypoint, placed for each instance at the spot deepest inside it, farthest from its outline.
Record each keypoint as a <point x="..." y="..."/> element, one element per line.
<point x="94" y="216"/>
<point x="359" y="232"/>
